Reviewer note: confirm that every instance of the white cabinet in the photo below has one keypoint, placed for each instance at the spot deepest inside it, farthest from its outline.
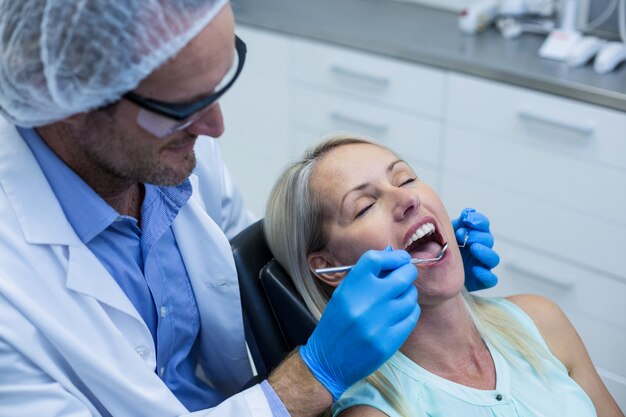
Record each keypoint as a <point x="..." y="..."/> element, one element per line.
<point x="549" y="172"/>
<point x="583" y="131"/>
<point x="557" y="191"/>
<point x="391" y="83"/>
<point x="255" y="142"/>
<point x="397" y="104"/>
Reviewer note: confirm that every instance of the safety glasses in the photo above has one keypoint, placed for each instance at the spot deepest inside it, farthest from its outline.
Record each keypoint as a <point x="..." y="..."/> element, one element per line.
<point x="162" y="119"/>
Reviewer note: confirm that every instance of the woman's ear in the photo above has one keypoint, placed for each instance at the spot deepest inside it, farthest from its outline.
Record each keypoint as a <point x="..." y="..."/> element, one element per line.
<point x="318" y="260"/>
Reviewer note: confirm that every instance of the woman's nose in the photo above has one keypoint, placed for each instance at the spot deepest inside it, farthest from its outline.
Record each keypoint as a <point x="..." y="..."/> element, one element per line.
<point x="407" y="203"/>
<point x="209" y="123"/>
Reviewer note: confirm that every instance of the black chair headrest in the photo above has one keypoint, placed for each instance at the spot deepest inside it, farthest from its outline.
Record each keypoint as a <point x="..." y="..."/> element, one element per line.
<point x="294" y="318"/>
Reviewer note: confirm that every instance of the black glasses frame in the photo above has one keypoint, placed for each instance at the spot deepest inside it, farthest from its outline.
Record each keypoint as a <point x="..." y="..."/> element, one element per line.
<point x="182" y="111"/>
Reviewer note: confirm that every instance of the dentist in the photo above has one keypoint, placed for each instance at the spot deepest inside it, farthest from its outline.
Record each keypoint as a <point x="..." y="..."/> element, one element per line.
<point x="118" y="290"/>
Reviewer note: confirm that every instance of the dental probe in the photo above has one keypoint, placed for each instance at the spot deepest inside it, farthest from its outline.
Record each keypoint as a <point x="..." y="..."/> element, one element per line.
<point x="414" y="261"/>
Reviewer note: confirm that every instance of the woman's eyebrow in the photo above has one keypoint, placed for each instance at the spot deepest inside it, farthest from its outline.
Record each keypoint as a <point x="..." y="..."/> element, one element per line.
<point x="357" y="188"/>
<point x="394" y="163"/>
<point x="364" y="185"/>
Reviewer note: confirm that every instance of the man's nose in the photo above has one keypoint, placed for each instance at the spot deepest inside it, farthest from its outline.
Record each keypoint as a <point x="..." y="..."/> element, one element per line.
<point x="209" y="123"/>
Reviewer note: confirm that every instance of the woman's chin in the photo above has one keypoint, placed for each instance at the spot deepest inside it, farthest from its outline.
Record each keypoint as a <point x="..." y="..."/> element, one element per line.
<point x="433" y="296"/>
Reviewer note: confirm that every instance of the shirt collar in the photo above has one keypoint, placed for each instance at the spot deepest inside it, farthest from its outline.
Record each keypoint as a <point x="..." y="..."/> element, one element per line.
<point x="85" y="210"/>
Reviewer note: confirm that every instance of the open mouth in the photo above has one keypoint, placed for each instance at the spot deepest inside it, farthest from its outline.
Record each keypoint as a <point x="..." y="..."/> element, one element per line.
<point x="425" y="242"/>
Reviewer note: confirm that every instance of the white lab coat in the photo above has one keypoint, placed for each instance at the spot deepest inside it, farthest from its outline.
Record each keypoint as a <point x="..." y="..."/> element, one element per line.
<point x="71" y="342"/>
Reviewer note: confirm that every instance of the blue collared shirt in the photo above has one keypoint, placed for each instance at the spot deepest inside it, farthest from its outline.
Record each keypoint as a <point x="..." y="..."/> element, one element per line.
<point x="145" y="262"/>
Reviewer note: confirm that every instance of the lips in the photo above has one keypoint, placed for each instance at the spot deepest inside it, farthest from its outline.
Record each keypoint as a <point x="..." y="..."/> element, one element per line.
<point x="182" y="145"/>
<point x="423" y="240"/>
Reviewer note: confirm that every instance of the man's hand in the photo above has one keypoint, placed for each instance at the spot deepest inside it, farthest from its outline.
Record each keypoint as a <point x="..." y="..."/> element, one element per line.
<point x="472" y="233"/>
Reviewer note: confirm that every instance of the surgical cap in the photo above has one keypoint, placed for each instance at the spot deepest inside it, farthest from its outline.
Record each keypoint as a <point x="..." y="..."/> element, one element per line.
<point x="62" y="57"/>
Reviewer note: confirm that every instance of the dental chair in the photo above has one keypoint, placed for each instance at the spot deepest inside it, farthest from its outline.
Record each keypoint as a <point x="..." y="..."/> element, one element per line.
<point x="276" y="319"/>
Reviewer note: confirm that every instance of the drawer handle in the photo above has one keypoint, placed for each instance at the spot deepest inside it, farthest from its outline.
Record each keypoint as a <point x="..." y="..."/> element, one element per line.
<point x="584" y="128"/>
<point x="377" y="129"/>
<point x="562" y="283"/>
<point x="375" y="80"/>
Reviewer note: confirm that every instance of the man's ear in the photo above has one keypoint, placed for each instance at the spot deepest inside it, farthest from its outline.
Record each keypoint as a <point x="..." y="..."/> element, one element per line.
<point x="318" y="260"/>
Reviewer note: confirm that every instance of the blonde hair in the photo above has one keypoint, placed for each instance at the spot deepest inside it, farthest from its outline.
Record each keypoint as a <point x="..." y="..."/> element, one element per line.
<point x="294" y="227"/>
<point x="294" y="222"/>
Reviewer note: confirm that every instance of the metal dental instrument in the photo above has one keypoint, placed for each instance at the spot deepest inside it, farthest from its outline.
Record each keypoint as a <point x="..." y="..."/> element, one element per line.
<point x="464" y="240"/>
<point x="414" y="261"/>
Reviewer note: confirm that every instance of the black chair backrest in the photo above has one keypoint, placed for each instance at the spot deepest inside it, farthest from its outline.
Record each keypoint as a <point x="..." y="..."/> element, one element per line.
<point x="275" y="316"/>
<point x="293" y="317"/>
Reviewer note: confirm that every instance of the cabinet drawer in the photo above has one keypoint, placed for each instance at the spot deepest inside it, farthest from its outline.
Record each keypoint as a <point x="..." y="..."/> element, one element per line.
<point x="573" y="237"/>
<point x="409" y="87"/>
<point x="594" y="189"/>
<point x="576" y="290"/>
<point x="409" y="136"/>
<point x="519" y="115"/>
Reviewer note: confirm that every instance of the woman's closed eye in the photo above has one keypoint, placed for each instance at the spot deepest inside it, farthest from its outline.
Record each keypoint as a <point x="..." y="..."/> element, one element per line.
<point x="363" y="210"/>
<point x="408" y="181"/>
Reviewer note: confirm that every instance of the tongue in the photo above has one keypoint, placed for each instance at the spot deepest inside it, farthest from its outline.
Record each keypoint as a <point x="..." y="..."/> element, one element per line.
<point x="427" y="250"/>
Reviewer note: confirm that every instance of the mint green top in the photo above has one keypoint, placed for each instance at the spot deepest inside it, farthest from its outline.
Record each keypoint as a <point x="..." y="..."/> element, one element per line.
<point x="520" y="391"/>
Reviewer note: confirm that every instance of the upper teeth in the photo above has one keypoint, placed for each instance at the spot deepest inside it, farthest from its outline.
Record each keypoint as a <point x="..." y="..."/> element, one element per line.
<point x="424" y="230"/>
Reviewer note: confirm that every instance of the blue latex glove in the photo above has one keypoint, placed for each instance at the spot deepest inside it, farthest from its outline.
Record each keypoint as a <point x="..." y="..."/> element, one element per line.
<point x="369" y="316"/>
<point x="478" y="256"/>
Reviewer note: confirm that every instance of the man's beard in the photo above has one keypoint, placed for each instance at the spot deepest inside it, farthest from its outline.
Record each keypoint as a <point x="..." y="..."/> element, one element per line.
<point x="131" y="161"/>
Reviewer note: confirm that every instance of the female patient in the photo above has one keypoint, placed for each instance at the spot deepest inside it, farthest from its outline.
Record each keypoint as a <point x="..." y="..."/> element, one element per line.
<point x="518" y="356"/>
